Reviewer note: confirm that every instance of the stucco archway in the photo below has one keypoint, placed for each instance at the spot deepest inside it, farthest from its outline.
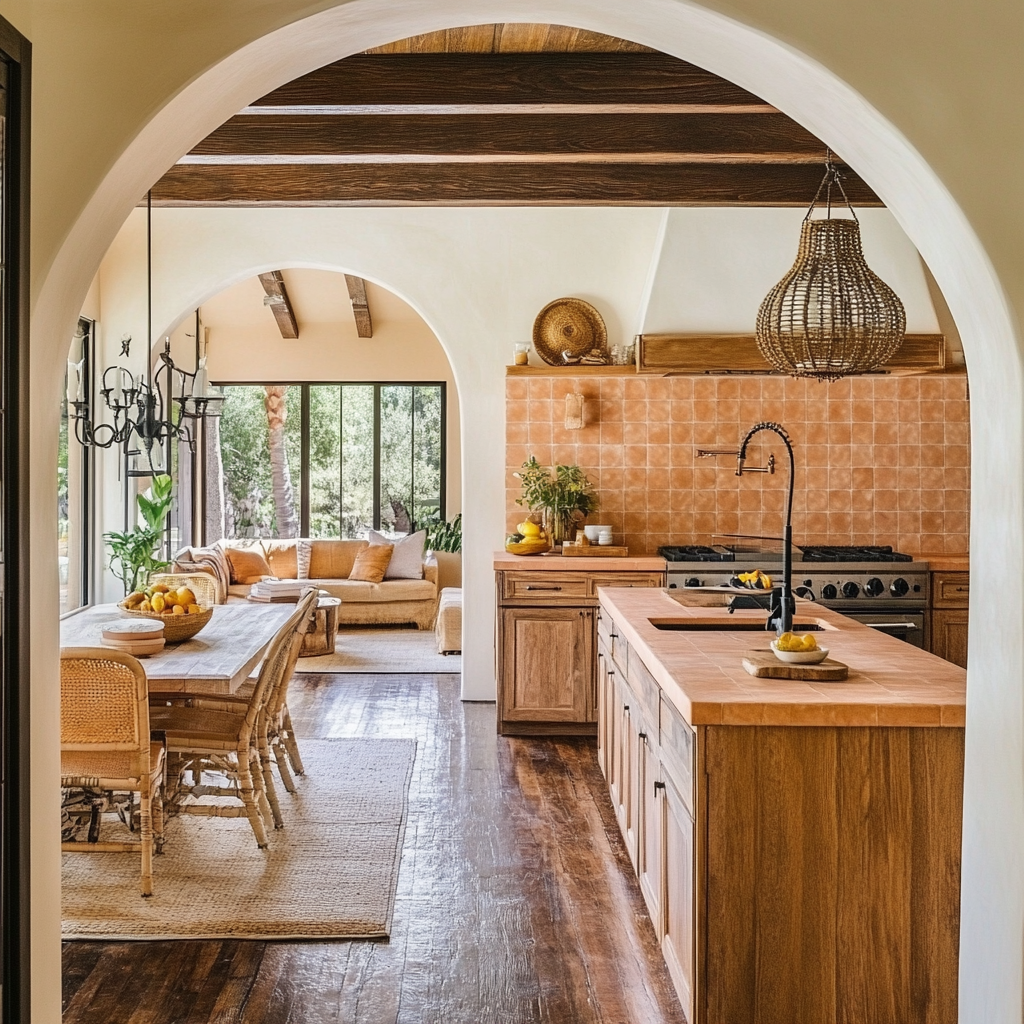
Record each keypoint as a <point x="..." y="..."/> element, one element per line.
<point x="993" y="904"/>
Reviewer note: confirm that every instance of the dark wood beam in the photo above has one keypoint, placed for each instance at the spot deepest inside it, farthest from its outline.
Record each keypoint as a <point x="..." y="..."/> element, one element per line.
<point x="446" y="78"/>
<point x="499" y="184"/>
<point x="690" y="138"/>
<point x="279" y="303"/>
<point x="360" y="307"/>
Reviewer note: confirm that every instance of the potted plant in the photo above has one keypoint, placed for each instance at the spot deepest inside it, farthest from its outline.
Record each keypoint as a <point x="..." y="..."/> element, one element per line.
<point x="564" y="494"/>
<point x="133" y="552"/>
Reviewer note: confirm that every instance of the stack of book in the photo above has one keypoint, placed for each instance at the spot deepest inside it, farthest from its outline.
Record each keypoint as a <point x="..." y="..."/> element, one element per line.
<point x="278" y="590"/>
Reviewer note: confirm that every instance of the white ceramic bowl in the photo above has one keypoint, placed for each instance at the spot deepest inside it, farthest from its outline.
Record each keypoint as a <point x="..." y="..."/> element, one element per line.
<point x="593" y="532"/>
<point x="801" y="657"/>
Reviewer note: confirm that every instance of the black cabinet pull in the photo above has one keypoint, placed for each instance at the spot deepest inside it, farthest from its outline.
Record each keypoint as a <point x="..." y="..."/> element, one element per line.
<point x="642" y="736"/>
<point x="614" y="636"/>
<point x="658" y="785"/>
<point x="625" y="707"/>
<point x="530" y="586"/>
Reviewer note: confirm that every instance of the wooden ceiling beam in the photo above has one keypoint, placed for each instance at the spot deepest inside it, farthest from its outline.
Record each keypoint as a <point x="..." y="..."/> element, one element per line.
<point x="499" y="184"/>
<point x="692" y="138"/>
<point x="279" y="303"/>
<point x="360" y="307"/>
<point x="446" y="78"/>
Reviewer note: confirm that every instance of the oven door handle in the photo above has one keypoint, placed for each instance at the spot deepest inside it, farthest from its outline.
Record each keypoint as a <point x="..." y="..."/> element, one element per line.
<point x="906" y="627"/>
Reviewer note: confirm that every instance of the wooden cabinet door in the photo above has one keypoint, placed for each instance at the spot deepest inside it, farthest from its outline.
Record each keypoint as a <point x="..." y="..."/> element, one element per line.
<point x="630" y="813"/>
<point x="677" y="893"/>
<point x="949" y="635"/>
<point x="546" y="664"/>
<point x="649" y="857"/>
<point x="603" y="701"/>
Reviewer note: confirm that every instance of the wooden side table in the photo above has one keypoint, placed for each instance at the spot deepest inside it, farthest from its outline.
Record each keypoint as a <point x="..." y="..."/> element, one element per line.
<point x="320" y="639"/>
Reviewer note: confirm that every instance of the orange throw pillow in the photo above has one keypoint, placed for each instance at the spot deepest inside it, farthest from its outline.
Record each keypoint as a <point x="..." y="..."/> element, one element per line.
<point x="371" y="563"/>
<point x="248" y="565"/>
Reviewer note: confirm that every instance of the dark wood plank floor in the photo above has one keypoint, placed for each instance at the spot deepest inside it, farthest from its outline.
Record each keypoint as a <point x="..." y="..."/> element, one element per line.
<point x="516" y="902"/>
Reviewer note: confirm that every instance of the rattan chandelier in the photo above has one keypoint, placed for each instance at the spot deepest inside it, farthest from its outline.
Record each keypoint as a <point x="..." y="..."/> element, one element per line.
<point x="830" y="316"/>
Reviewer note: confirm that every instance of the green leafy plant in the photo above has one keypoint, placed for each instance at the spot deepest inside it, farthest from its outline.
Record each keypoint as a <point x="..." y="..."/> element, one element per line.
<point x="564" y="493"/>
<point x="133" y="552"/>
<point x="442" y="536"/>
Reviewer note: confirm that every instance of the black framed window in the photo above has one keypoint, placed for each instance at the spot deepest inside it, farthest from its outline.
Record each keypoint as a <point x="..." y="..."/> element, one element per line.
<point x="327" y="459"/>
<point x="74" y="479"/>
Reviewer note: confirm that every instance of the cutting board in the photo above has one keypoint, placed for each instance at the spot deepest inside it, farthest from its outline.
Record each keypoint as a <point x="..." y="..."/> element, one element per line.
<point x="594" y="551"/>
<point x="765" y="665"/>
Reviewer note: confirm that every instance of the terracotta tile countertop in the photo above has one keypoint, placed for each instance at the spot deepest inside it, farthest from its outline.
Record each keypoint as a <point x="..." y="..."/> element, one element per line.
<point x="503" y="561"/>
<point x="891" y="683"/>
<point x="946" y="563"/>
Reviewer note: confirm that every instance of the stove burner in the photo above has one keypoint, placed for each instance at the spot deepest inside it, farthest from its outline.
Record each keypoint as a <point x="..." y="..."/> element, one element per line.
<point x="831" y="553"/>
<point x="696" y="553"/>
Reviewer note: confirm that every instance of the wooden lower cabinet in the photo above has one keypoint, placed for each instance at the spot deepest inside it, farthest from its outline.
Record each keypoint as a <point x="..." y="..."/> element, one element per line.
<point x="546" y="651"/>
<point x="546" y="664"/>
<point x="792" y="874"/>
<point x="949" y="634"/>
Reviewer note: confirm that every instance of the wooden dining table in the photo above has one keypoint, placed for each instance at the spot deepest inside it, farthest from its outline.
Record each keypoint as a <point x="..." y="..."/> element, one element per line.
<point x="217" y="660"/>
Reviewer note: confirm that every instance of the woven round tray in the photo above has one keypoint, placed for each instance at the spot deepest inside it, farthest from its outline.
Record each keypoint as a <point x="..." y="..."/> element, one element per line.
<point x="568" y="326"/>
<point x="176" y="627"/>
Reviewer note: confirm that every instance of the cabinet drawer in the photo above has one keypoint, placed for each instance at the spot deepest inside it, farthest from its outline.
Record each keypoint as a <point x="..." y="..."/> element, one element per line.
<point x="616" y="647"/>
<point x="544" y="586"/>
<point x="677" y="751"/>
<point x="644" y="686"/>
<point x="950" y="589"/>
<point x="622" y="579"/>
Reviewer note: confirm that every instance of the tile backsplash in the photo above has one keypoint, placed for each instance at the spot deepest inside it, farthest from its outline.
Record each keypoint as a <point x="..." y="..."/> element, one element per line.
<point x="879" y="460"/>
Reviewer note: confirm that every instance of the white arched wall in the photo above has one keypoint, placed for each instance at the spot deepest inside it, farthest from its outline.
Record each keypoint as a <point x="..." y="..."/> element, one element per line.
<point x="992" y="929"/>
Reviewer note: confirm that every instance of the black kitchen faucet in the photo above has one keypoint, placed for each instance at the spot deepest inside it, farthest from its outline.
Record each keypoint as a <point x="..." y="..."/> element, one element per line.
<point x="781" y="604"/>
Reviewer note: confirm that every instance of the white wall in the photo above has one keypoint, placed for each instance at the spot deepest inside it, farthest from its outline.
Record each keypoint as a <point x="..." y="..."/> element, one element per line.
<point x="478" y="277"/>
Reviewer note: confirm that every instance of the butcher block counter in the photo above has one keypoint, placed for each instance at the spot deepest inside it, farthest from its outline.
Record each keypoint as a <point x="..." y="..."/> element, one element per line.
<point x="797" y="843"/>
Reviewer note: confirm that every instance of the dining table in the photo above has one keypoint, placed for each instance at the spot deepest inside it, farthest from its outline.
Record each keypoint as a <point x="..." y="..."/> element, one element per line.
<point x="218" y="660"/>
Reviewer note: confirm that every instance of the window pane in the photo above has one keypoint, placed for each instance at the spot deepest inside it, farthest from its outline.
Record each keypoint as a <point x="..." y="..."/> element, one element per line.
<point x="357" y="459"/>
<point x="427" y="441"/>
<point x="248" y="433"/>
<point x="325" y="460"/>
<point x="396" y="505"/>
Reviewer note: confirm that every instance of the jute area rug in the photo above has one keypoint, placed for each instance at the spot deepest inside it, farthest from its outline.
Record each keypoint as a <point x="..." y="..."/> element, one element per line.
<point x="330" y="873"/>
<point x="383" y="650"/>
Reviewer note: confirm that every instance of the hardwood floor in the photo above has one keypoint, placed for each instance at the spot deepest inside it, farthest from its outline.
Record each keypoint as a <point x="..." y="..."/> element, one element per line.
<point x="516" y="902"/>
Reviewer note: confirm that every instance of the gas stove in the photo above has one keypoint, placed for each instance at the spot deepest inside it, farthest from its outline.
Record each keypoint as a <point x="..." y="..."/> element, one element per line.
<point x="876" y="585"/>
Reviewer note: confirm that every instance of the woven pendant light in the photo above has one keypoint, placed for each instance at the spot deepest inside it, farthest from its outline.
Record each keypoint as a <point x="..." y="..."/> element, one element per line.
<point x="830" y="316"/>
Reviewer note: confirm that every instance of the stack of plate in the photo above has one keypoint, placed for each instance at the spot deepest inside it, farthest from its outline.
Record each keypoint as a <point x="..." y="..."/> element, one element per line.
<point x="138" y="637"/>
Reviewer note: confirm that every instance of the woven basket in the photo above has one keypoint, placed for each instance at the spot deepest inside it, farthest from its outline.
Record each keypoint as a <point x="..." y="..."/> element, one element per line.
<point x="182" y="627"/>
<point x="176" y="627"/>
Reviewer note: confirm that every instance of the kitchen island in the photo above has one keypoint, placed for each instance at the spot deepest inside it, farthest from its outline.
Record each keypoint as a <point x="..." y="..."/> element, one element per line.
<point x="797" y="843"/>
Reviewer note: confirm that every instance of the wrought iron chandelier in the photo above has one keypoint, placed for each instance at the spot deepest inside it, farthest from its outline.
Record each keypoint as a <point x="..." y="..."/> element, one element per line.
<point x="155" y="412"/>
<point x="830" y="316"/>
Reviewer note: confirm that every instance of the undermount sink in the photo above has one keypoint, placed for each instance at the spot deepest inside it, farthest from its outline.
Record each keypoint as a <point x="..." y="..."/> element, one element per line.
<point x="727" y="625"/>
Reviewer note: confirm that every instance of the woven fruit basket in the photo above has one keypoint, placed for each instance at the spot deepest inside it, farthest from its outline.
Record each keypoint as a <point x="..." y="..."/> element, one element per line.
<point x="176" y="627"/>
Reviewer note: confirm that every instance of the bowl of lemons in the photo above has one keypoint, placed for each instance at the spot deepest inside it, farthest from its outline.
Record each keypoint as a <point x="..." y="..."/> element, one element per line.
<point x="529" y="539"/>
<point x="799" y="650"/>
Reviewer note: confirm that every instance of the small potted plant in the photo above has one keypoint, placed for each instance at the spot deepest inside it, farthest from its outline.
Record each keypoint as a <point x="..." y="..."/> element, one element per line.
<point x="564" y="494"/>
<point x="133" y="552"/>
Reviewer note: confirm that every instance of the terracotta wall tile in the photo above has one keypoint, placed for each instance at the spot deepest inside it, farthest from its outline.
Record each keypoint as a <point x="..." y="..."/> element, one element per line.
<point x="879" y="460"/>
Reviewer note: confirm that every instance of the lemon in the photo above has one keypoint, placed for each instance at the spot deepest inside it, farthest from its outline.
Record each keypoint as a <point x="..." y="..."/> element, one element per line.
<point x="785" y="642"/>
<point x="529" y="529"/>
<point x="808" y="643"/>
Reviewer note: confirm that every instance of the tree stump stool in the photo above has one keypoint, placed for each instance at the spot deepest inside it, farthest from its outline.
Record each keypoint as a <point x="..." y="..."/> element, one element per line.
<point x="319" y="639"/>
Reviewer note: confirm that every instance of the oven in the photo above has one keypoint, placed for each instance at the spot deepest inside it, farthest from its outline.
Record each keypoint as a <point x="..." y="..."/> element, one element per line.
<point x="903" y="625"/>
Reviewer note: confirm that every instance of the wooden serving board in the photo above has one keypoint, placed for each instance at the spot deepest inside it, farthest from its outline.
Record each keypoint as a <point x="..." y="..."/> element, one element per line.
<point x="594" y="551"/>
<point x="765" y="665"/>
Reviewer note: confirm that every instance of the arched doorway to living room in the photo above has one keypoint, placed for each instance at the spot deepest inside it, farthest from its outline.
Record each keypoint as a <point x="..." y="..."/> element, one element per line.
<point x="941" y="258"/>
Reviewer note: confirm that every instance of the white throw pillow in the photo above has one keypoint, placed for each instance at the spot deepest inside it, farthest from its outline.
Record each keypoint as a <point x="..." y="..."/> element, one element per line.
<point x="407" y="558"/>
<point x="303" y="553"/>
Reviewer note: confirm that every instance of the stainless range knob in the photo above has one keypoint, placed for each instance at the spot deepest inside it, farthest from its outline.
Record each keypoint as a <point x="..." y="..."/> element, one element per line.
<point x="850" y="589"/>
<point x="899" y="587"/>
<point x="829" y="592"/>
<point x="874" y="587"/>
<point x="692" y="582"/>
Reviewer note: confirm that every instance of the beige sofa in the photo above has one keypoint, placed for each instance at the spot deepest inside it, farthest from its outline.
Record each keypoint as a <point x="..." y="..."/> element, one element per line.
<point x="393" y="602"/>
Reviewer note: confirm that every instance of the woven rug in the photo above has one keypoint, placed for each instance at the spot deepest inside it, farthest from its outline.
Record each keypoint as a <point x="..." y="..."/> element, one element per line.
<point x="383" y="650"/>
<point x="331" y="873"/>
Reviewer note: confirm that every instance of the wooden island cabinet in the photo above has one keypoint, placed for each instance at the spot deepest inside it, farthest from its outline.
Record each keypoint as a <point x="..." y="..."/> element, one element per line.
<point x="947" y="625"/>
<point x="797" y="844"/>
<point x="546" y="637"/>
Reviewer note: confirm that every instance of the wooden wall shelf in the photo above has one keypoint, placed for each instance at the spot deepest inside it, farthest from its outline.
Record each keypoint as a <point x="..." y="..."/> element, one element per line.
<point x="570" y="371"/>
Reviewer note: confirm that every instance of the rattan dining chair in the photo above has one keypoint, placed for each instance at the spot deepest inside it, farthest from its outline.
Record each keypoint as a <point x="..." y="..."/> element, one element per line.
<point x="216" y="734"/>
<point x="105" y="746"/>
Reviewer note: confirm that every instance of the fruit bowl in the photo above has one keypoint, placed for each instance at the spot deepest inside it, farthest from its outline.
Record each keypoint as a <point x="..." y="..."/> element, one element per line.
<point x="176" y="627"/>
<point x="801" y="657"/>
<point x="528" y="546"/>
